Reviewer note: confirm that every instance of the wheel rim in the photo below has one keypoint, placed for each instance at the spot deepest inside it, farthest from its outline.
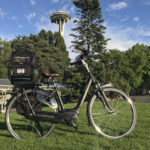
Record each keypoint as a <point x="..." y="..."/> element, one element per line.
<point x="114" y="124"/>
<point x="19" y="124"/>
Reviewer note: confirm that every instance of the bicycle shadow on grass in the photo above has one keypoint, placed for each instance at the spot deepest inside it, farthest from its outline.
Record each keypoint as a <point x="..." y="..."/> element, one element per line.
<point x="73" y="131"/>
<point x="4" y="128"/>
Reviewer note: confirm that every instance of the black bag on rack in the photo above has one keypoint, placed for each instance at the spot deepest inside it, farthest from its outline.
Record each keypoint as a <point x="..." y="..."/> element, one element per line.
<point x="22" y="70"/>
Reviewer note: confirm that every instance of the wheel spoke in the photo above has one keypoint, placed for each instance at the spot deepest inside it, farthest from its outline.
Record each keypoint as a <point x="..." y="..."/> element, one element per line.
<point x="99" y="113"/>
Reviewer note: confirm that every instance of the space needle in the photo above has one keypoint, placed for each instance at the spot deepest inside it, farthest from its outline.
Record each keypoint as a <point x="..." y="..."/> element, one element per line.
<point x="60" y="18"/>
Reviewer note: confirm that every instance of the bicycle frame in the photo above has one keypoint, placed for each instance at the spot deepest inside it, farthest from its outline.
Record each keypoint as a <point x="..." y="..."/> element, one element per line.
<point x="68" y="116"/>
<point x="73" y="113"/>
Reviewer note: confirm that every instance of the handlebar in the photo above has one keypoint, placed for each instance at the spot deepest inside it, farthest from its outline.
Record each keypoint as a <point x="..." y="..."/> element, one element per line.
<point x="80" y="48"/>
<point x="80" y="57"/>
<point x="84" y="51"/>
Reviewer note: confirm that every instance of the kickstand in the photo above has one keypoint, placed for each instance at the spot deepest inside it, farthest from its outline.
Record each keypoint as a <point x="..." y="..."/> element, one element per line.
<point x="75" y="126"/>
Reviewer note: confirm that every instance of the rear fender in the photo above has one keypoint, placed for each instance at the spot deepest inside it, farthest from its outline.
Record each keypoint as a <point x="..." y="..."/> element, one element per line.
<point x="12" y="97"/>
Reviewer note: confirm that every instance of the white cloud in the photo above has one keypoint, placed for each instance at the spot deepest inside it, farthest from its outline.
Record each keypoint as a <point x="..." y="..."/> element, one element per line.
<point x="54" y="1"/>
<point x="30" y="16"/>
<point x="32" y="2"/>
<point x="6" y="36"/>
<point x="65" y="7"/>
<point x="43" y="19"/>
<point x="119" y="38"/>
<point x="14" y="18"/>
<point x="43" y="23"/>
<point x="72" y="9"/>
<point x="19" y="26"/>
<point x="143" y="31"/>
<point x="146" y="2"/>
<point x="117" y="6"/>
<point x="45" y="26"/>
<point x="136" y="19"/>
<point x="125" y="38"/>
<point x="124" y="19"/>
<point x="2" y="13"/>
<point x="60" y="1"/>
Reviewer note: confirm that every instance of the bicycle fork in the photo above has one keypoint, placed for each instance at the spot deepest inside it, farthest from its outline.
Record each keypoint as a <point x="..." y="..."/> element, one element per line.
<point x="103" y="98"/>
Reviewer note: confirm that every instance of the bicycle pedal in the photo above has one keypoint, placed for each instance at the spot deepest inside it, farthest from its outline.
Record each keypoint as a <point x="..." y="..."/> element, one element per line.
<point x="76" y="128"/>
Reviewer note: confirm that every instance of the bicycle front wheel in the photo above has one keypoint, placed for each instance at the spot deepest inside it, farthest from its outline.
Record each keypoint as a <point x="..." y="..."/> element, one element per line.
<point x="114" y="122"/>
<point x="19" y="117"/>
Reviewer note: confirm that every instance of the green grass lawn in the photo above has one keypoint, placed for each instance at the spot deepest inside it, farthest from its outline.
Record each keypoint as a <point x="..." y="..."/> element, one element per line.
<point x="65" y="138"/>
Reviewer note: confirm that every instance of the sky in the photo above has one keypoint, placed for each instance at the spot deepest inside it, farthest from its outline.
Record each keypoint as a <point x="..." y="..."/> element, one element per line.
<point x="127" y="21"/>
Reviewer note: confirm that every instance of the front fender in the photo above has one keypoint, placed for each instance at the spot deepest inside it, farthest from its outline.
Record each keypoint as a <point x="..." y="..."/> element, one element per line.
<point x="109" y="85"/>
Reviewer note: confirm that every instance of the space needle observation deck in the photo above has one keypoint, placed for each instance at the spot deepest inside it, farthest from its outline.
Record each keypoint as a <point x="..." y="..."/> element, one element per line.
<point x="60" y="18"/>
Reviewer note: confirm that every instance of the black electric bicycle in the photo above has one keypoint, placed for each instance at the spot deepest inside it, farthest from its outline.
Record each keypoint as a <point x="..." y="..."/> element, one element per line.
<point x="35" y="112"/>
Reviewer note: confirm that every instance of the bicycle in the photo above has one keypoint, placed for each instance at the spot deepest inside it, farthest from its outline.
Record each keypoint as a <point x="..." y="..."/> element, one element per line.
<point x="35" y="112"/>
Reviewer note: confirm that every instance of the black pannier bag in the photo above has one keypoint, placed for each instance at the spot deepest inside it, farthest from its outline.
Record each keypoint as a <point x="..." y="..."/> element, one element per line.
<point x="22" y="69"/>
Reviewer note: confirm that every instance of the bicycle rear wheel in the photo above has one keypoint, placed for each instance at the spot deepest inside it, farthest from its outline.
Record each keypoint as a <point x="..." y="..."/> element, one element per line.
<point x="115" y="123"/>
<point x="19" y="118"/>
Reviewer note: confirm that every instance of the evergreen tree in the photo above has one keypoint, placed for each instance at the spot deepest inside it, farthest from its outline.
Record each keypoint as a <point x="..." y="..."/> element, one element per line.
<point x="89" y="28"/>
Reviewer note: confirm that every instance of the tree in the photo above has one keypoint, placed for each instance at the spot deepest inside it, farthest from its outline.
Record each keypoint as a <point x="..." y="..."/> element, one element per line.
<point x="137" y="62"/>
<point x="50" y="49"/>
<point x="5" y="52"/>
<point x="146" y="71"/>
<point x="127" y="70"/>
<point x="114" y="69"/>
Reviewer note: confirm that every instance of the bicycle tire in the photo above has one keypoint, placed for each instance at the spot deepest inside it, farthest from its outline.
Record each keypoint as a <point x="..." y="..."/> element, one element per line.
<point x="19" y="125"/>
<point x="115" y="124"/>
